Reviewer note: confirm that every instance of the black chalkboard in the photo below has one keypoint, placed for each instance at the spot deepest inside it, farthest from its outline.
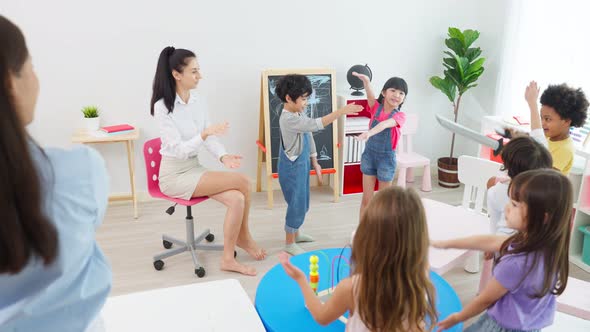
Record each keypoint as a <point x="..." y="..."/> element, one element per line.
<point x="320" y="103"/>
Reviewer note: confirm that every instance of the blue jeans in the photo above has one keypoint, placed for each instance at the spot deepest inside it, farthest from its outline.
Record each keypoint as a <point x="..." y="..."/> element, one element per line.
<point x="294" y="181"/>
<point x="485" y="323"/>
<point x="379" y="164"/>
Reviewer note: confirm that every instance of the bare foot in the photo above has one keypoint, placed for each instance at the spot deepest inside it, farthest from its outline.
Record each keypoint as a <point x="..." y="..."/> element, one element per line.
<point x="318" y="173"/>
<point x="252" y="249"/>
<point x="233" y="266"/>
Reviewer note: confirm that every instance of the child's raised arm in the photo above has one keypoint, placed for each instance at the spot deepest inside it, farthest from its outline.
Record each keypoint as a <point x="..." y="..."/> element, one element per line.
<point x="488" y="243"/>
<point x="348" y="109"/>
<point x="389" y="123"/>
<point x="336" y="306"/>
<point x="368" y="89"/>
<point x="531" y="95"/>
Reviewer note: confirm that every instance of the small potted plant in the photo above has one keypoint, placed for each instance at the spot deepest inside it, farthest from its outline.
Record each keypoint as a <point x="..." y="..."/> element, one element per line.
<point x="91" y="118"/>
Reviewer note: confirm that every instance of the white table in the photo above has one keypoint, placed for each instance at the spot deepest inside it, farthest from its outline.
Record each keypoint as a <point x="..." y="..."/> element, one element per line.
<point x="449" y="222"/>
<point x="568" y="323"/>
<point x="218" y="306"/>
<point x="575" y="300"/>
<point x="84" y="137"/>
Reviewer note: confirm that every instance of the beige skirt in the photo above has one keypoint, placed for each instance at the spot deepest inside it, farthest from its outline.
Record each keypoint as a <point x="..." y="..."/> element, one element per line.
<point x="179" y="178"/>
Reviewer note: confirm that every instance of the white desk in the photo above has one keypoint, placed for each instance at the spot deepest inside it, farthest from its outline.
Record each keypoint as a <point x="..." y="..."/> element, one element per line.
<point x="448" y="222"/>
<point x="575" y="300"/>
<point x="218" y="306"/>
<point x="567" y="323"/>
<point x="84" y="137"/>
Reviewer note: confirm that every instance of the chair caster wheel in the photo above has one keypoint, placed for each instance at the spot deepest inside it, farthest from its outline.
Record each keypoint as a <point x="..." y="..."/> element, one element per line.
<point x="235" y="254"/>
<point x="200" y="272"/>
<point x="210" y="237"/>
<point x="167" y="244"/>
<point x="159" y="264"/>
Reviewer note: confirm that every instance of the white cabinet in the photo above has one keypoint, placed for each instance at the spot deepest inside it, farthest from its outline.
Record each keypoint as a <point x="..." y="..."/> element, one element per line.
<point x="350" y="149"/>
<point x="582" y="215"/>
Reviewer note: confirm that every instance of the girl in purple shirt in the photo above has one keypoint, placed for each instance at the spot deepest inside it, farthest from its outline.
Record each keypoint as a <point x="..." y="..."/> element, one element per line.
<point x="532" y="267"/>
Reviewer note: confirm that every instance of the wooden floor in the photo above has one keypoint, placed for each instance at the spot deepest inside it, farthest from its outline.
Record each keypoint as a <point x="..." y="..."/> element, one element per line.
<point x="129" y="244"/>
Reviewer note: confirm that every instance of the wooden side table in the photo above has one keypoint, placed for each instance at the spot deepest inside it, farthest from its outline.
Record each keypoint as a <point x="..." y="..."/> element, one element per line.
<point x="85" y="137"/>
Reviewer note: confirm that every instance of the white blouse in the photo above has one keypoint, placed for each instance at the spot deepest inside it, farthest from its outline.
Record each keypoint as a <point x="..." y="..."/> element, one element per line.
<point x="180" y="131"/>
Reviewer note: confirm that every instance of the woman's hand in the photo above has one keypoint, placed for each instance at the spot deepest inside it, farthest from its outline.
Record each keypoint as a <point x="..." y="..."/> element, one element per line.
<point x="451" y="321"/>
<point x="362" y="77"/>
<point x="231" y="160"/>
<point x="291" y="270"/>
<point x="216" y="129"/>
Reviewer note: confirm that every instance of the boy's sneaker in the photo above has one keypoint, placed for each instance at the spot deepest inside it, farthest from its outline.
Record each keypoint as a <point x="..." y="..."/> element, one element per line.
<point x="302" y="237"/>
<point x="293" y="249"/>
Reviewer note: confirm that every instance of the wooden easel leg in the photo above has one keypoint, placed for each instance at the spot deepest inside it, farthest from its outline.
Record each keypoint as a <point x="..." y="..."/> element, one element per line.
<point x="336" y="187"/>
<point x="269" y="192"/>
<point x="130" y="155"/>
<point x="259" y="172"/>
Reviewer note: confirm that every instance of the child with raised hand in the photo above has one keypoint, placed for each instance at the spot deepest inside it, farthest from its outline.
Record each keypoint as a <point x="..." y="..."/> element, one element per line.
<point x="532" y="267"/>
<point x="519" y="155"/>
<point x="390" y="288"/>
<point x="295" y="152"/>
<point x="378" y="161"/>
<point x="562" y="107"/>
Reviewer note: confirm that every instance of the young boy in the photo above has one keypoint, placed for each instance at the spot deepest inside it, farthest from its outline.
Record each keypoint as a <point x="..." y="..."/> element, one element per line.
<point x="562" y="107"/>
<point x="295" y="152"/>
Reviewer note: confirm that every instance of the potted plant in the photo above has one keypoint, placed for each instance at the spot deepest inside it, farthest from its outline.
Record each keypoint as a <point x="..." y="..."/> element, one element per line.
<point x="463" y="67"/>
<point x="91" y="118"/>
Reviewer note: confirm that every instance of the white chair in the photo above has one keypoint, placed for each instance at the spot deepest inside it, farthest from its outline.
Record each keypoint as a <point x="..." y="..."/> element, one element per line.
<point x="474" y="173"/>
<point x="408" y="159"/>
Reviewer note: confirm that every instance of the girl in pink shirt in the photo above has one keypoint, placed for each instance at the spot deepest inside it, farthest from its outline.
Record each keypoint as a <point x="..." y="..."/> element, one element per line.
<point x="378" y="161"/>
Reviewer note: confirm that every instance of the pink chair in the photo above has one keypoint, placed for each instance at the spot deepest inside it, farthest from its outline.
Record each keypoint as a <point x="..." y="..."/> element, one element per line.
<point x="151" y="153"/>
<point x="408" y="159"/>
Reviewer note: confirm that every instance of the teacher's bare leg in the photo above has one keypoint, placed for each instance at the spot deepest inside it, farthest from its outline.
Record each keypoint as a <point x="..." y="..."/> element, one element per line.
<point x="212" y="183"/>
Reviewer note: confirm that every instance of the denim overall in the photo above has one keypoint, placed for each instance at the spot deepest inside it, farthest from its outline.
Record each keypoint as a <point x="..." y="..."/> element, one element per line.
<point x="294" y="181"/>
<point x="378" y="159"/>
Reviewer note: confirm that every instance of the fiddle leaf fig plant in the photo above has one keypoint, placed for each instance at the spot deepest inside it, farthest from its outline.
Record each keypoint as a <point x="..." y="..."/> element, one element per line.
<point x="463" y="66"/>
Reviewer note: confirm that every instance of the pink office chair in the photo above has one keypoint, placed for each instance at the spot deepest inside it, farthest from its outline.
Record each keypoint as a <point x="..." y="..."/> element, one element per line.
<point x="151" y="153"/>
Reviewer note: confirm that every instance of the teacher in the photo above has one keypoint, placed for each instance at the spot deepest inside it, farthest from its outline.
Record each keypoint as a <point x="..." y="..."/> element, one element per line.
<point x="185" y="128"/>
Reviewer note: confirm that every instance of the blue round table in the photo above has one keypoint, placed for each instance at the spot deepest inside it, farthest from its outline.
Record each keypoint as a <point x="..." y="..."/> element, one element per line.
<point x="280" y="304"/>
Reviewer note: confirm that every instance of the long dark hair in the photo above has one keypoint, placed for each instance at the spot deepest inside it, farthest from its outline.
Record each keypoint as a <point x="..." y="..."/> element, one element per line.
<point x="24" y="229"/>
<point x="390" y="258"/>
<point x="548" y="197"/>
<point x="164" y="83"/>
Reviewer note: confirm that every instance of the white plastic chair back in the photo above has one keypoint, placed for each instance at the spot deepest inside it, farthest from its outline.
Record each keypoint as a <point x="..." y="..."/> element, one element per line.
<point x="474" y="173"/>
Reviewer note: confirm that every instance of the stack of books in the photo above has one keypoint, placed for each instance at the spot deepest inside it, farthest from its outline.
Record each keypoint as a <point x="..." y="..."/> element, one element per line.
<point x="354" y="149"/>
<point x="117" y="129"/>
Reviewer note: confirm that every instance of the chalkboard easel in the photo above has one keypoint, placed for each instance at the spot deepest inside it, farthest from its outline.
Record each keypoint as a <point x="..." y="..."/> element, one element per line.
<point x="321" y="102"/>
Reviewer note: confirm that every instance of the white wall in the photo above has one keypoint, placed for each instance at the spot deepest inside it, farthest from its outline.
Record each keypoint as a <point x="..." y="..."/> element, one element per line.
<point x="105" y="53"/>
<point x="547" y="46"/>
